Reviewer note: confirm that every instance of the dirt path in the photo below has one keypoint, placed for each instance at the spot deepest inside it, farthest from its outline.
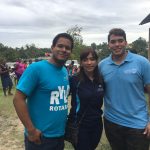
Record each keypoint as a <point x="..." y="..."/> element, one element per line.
<point x="10" y="128"/>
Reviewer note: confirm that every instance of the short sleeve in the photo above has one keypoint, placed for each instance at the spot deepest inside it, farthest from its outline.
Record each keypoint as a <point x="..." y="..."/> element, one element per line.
<point x="28" y="80"/>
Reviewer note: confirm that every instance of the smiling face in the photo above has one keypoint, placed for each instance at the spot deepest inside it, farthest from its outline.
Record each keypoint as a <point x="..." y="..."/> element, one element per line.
<point x="61" y="51"/>
<point x="89" y="63"/>
<point x="117" y="44"/>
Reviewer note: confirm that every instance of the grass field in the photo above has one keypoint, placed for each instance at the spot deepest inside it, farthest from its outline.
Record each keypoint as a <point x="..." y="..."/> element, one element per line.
<point x="11" y="129"/>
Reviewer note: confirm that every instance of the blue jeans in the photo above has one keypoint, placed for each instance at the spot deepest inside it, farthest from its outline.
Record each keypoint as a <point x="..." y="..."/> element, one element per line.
<point x="46" y="144"/>
<point x="125" y="138"/>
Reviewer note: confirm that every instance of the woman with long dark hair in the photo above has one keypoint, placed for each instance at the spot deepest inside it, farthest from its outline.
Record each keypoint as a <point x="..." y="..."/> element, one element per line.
<point x="87" y="91"/>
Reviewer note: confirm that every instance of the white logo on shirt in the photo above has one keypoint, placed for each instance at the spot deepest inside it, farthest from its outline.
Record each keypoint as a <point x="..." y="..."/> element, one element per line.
<point x="130" y="71"/>
<point x="56" y="96"/>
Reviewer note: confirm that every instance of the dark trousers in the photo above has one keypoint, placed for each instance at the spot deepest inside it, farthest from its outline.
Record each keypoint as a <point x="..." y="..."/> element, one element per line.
<point x="124" y="138"/>
<point x="46" y="144"/>
<point x="89" y="137"/>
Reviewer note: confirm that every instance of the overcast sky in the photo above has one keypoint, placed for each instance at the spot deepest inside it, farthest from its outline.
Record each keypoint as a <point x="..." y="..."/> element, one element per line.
<point x="38" y="21"/>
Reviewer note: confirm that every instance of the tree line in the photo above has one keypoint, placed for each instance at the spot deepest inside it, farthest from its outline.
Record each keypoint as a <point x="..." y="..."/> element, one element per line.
<point x="139" y="46"/>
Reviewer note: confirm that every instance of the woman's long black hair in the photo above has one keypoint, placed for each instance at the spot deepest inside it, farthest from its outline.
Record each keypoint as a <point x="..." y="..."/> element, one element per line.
<point x="83" y="55"/>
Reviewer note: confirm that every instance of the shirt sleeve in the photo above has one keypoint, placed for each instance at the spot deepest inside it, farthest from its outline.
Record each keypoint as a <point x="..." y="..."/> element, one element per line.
<point x="28" y="80"/>
<point x="146" y="72"/>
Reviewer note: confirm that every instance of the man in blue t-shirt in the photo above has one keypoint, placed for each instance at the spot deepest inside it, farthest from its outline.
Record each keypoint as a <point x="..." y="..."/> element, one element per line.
<point x="41" y="98"/>
<point x="125" y="75"/>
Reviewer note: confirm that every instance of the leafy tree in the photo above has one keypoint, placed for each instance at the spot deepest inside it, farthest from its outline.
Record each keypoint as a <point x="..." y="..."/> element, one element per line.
<point x="103" y="50"/>
<point x="75" y="32"/>
<point x="27" y="52"/>
<point x="93" y="45"/>
<point x="139" y="46"/>
<point x="31" y="51"/>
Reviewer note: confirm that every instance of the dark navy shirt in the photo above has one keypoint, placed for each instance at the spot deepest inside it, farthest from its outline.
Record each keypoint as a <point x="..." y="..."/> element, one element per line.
<point x="90" y="94"/>
<point x="4" y="68"/>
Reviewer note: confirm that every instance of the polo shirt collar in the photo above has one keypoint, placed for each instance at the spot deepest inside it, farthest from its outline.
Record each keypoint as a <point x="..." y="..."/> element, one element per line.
<point x="128" y="58"/>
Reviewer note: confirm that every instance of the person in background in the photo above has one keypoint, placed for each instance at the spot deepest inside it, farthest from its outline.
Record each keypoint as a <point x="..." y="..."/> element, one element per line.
<point x="70" y="68"/>
<point x="25" y="64"/>
<point x="19" y="69"/>
<point x="125" y="74"/>
<point x="30" y="62"/>
<point x="7" y="83"/>
<point x="41" y="98"/>
<point x="13" y="75"/>
<point x="75" y="70"/>
<point x="87" y="91"/>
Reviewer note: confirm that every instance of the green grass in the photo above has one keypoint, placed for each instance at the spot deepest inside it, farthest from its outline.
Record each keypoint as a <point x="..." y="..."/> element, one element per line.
<point x="11" y="137"/>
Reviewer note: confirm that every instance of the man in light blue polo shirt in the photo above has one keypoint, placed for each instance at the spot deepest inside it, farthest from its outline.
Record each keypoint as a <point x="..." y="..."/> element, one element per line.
<point x="41" y="98"/>
<point x="125" y="75"/>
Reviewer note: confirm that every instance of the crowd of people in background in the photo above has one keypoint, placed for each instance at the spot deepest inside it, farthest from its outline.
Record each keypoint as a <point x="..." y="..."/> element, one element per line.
<point x="72" y="69"/>
<point x="10" y="75"/>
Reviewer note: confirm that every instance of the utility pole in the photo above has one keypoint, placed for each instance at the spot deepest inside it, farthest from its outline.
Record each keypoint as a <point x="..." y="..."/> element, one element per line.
<point x="144" y="21"/>
<point x="149" y="46"/>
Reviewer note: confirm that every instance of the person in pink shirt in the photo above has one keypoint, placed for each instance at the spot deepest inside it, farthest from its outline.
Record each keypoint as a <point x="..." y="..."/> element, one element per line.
<point x="25" y="64"/>
<point x="19" y="69"/>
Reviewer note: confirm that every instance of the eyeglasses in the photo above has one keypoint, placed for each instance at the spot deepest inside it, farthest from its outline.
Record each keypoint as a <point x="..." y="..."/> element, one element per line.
<point x="118" y="40"/>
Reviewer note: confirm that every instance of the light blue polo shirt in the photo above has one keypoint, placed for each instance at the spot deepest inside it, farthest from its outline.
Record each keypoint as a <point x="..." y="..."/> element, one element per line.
<point x="47" y="88"/>
<point x="125" y="102"/>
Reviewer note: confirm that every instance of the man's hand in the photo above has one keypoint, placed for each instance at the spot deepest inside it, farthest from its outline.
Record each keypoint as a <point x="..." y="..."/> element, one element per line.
<point x="147" y="130"/>
<point x="34" y="136"/>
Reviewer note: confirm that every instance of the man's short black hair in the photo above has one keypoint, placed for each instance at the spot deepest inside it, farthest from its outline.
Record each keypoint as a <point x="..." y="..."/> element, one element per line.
<point x="63" y="35"/>
<point x="117" y="32"/>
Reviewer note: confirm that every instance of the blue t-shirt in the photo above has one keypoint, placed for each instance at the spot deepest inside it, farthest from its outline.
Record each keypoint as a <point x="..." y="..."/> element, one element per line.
<point x="124" y="100"/>
<point x="47" y="88"/>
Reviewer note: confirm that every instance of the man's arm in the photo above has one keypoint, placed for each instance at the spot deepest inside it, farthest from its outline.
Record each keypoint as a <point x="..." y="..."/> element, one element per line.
<point x="22" y="112"/>
<point x="147" y="129"/>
